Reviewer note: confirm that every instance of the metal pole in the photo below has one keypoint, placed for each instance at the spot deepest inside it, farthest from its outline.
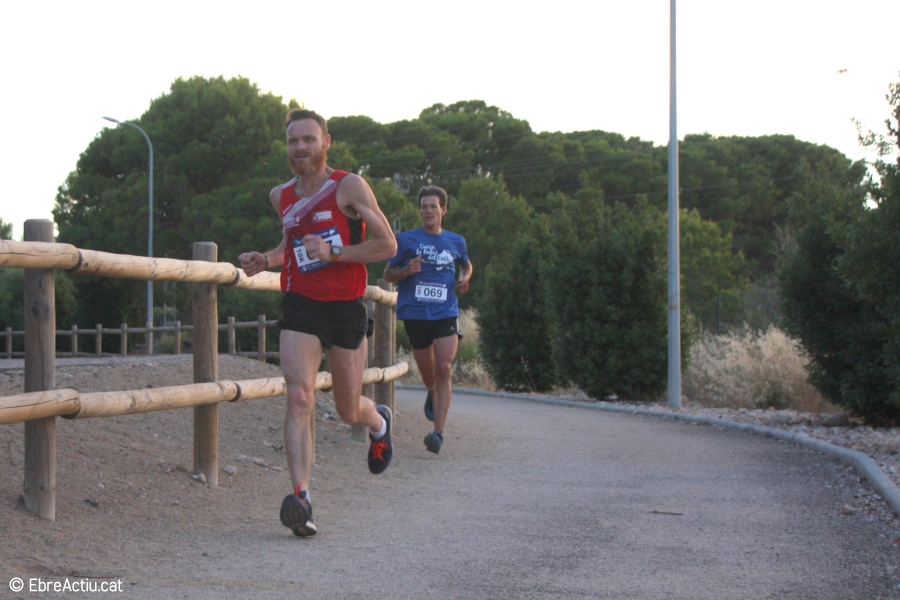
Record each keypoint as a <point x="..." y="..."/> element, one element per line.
<point x="674" y="387"/>
<point x="150" y="205"/>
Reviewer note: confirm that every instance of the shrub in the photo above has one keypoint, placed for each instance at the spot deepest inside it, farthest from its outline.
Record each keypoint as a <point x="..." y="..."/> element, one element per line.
<point x="842" y="330"/>
<point x="751" y="369"/>
<point x="605" y="287"/>
<point x="514" y="328"/>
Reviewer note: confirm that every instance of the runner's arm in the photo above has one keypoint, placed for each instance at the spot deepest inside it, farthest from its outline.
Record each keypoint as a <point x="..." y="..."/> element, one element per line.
<point x="355" y="194"/>
<point x="395" y="274"/>
<point x="465" y="274"/>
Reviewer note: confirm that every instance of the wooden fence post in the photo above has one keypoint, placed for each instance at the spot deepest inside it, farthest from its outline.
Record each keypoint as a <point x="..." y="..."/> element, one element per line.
<point x="9" y="342"/>
<point x="392" y="358"/>
<point x="74" y="341"/>
<point x="98" y="340"/>
<point x="360" y="433"/>
<point x="40" y="375"/>
<point x="232" y="346"/>
<point x="177" y="337"/>
<point x="148" y="339"/>
<point x="124" y="339"/>
<point x="261" y="338"/>
<point x="206" y="368"/>
<point x="384" y="352"/>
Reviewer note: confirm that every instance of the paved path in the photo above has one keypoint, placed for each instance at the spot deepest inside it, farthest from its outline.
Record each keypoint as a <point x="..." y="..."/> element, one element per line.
<point x="531" y="500"/>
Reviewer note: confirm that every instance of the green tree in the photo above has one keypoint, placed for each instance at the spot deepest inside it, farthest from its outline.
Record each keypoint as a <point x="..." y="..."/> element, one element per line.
<point x="6" y="230"/>
<point x="841" y="330"/>
<point x="491" y="220"/>
<point x="513" y="319"/>
<point x="712" y="274"/>
<point x="871" y="263"/>
<point x="744" y="183"/>
<point x="605" y="287"/>
<point x="219" y="148"/>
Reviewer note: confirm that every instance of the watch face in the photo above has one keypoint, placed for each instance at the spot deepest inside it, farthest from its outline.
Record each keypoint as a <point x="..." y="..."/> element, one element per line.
<point x="336" y="250"/>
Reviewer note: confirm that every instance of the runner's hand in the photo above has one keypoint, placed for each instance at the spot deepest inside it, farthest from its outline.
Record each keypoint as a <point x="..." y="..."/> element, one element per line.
<point x="252" y="263"/>
<point x="414" y="265"/>
<point x="462" y="285"/>
<point x="317" y="247"/>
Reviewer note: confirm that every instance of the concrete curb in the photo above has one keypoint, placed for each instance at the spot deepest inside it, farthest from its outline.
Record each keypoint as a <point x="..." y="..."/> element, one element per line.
<point x="861" y="462"/>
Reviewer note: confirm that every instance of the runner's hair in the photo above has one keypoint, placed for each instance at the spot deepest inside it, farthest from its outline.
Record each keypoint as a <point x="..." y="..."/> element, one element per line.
<point x="433" y="190"/>
<point x="299" y="114"/>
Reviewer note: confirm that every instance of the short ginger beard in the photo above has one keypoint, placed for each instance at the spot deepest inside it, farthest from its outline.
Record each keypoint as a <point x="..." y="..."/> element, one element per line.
<point x="316" y="162"/>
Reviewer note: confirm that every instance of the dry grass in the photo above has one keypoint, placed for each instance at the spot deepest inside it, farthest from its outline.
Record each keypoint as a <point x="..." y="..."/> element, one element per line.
<point x="747" y="369"/>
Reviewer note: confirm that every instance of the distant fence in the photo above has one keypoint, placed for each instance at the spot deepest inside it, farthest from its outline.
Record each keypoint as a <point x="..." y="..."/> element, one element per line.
<point x="41" y="403"/>
<point x="147" y="347"/>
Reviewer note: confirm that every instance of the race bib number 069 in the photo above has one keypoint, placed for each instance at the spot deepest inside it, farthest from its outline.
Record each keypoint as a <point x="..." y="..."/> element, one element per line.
<point x="304" y="262"/>
<point x="431" y="292"/>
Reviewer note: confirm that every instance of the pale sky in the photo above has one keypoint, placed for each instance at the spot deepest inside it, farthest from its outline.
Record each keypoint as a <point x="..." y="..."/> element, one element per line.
<point x="766" y="67"/>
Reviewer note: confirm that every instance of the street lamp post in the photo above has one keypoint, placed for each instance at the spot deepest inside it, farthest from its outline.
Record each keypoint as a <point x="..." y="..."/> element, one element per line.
<point x="150" y="204"/>
<point x="674" y="295"/>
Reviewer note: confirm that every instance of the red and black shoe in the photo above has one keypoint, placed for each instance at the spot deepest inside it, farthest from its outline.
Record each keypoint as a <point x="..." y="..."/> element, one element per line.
<point x="381" y="452"/>
<point x="296" y="514"/>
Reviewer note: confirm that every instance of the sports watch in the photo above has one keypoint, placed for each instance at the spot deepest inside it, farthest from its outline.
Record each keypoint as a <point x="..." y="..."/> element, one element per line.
<point x="335" y="252"/>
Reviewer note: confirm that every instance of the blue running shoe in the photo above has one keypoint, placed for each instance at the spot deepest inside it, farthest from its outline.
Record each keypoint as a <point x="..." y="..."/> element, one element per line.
<point x="434" y="441"/>
<point x="429" y="407"/>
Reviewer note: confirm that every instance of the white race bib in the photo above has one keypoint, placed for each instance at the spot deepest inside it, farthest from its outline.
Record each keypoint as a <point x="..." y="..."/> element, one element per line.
<point x="431" y="292"/>
<point x="304" y="261"/>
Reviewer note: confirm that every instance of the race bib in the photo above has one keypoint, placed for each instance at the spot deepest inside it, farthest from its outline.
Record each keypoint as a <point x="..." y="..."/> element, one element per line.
<point x="306" y="263"/>
<point x="431" y="292"/>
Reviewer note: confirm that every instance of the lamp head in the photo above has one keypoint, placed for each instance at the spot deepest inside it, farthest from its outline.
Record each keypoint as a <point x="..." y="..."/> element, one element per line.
<point x="111" y="119"/>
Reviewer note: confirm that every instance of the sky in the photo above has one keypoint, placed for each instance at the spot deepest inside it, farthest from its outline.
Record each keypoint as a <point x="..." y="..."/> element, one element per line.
<point x="769" y="67"/>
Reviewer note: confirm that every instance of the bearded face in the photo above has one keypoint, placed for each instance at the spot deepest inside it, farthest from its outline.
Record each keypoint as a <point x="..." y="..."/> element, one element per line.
<point x="307" y="147"/>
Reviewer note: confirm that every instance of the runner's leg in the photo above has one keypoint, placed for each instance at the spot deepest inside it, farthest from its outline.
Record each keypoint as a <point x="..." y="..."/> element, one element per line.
<point x="425" y="363"/>
<point x="444" y="353"/>
<point x="301" y="354"/>
<point x="346" y="380"/>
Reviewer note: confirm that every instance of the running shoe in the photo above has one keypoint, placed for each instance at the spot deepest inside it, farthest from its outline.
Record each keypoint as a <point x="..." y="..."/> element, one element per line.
<point x="296" y="514"/>
<point x="381" y="452"/>
<point x="434" y="441"/>
<point x="429" y="407"/>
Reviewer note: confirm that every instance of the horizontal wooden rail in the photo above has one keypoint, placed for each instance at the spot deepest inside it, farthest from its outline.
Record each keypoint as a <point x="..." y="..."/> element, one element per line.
<point x="71" y="404"/>
<point x="46" y="255"/>
<point x="39" y="405"/>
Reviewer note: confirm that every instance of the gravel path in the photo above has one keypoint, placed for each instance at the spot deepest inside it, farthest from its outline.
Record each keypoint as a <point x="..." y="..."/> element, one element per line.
<point x="526" y="500"/>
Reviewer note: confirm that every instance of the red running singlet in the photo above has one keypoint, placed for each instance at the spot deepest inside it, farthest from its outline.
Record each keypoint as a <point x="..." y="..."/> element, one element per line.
<point x="320" y="215"/>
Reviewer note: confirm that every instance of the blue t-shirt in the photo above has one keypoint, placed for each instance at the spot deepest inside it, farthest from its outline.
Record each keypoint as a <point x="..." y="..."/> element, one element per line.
<point x="429" y="295"/>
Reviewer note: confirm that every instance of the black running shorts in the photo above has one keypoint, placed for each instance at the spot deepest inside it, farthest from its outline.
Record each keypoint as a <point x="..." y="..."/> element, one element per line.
<point x="422" y="333"/>
<point x="339" y="323"/>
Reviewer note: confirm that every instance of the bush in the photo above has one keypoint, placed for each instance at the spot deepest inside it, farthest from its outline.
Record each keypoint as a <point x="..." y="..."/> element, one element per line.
<point x="605" y="288"/>
<point x="751" y="369"/>
<point x="514" y="328"/>
<point x="846" y="337"/>
<point x="841" y="283"/>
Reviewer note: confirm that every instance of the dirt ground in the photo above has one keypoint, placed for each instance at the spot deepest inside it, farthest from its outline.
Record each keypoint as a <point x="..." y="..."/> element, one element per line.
<point x="132" y="474"/>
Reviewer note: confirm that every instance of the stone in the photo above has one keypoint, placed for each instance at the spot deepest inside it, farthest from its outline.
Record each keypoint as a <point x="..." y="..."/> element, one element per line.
<point x="230" y="469"/>
<point x="841" y="420"/>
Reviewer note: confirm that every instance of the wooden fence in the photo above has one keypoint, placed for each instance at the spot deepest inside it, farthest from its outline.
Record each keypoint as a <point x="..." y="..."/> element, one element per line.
<point x="147" y="348"/>
<point x="40" y="404"/>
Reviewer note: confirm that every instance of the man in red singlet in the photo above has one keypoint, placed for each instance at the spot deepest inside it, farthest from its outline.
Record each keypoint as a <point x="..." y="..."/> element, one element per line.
<point x="324" y="215"/>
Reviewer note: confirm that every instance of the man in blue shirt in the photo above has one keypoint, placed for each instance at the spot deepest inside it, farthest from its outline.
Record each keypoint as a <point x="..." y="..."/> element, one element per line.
<point x="425" y="268"/>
